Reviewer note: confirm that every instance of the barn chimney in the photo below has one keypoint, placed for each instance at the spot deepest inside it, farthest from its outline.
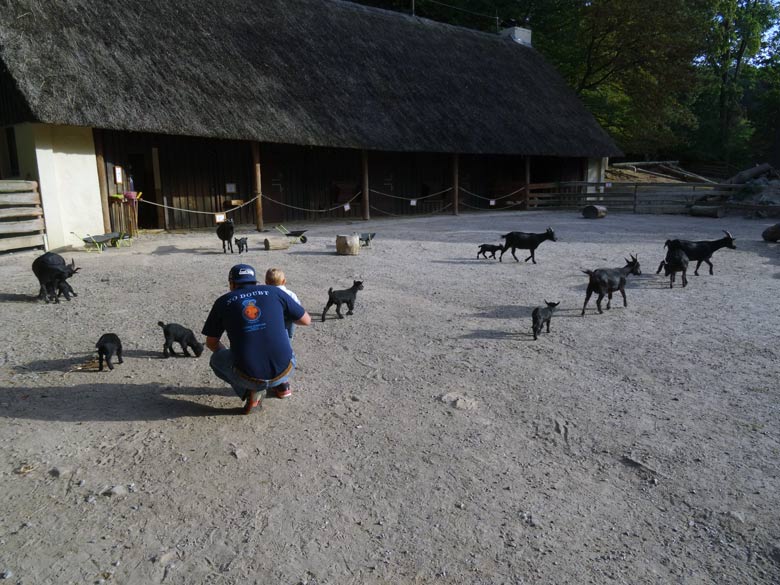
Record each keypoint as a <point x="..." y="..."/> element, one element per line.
<point x="518" y="34"/>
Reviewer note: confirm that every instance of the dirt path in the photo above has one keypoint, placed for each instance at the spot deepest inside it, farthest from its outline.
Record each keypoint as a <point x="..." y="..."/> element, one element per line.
<point x="429" y="438"/>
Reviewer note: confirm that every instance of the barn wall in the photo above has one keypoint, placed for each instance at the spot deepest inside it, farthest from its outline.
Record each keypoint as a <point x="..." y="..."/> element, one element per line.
<point x="62" y="160"/>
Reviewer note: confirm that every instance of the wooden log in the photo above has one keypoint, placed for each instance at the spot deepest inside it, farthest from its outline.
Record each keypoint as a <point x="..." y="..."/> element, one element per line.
<point x="26" y="198"/>
<point x="20" y="212"/>
<point x="708" y="210"/>
<point x="17" y="186"/>
<point x="594" y="211"/>
<point x="348" y="245"/>
<point x="747" y="174"/>
<point x="772" y="233"/>
<point x="276" y="243"/>
<point x="20" y="242"/>
<point x="21" y="227"/>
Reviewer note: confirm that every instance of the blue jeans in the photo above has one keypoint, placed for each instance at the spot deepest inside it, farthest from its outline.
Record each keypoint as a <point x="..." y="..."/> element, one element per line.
<point x="222" y="363"/>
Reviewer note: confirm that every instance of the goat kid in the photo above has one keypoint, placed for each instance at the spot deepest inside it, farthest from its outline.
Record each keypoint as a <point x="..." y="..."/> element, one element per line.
<point x="242" y="245"/>
<point x="542" y="315"/>
<point x="700" y="251"/>
<point x="184" y="337"/>
<point x="676" y="261"/>
<point x="492" y="248"/>
<point x="337" y="297"/>
<point x="107" y="346"/>
<point x="605" y="281"/>
<point x="525" y="241"/>
<point x="225" y="232"/>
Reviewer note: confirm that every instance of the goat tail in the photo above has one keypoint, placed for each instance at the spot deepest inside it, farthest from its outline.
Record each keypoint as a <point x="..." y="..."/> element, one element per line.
<point x="505" y="235"/>
<point x="330" y="293"/>
<point x="161" y="324"/>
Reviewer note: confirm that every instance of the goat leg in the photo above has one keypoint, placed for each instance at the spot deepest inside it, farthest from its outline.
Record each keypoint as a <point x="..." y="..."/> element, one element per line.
<point x="587" y="298"/>
<point x="338" y="311"/>
<point x="598" y="302"/>
<point x="623" y="292"/>
<point x="531" y="257"/>
<point x="119" y="355"/>
<point x="661" y="267"/>
<point x="184" y="349"/>
<point x="684" y="279"/>
<point x="710" y="265"/>
<point x="325" y="310"/>
<point x="100" y="361"/>
<point x="696" y="272"/>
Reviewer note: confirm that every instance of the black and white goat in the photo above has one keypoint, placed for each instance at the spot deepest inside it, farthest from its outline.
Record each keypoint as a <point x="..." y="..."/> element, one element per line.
<point x="524" y="241"/>
<point x="676" y="261"/>
<point x="700" y="251"/>
<point x="605" y="281"/>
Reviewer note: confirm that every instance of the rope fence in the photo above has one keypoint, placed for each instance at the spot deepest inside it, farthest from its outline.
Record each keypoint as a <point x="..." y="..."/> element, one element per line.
<point x="195" y="210"/>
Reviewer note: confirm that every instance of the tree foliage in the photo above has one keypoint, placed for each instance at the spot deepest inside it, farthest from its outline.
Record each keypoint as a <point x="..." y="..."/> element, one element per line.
<point x="678" y="78"/>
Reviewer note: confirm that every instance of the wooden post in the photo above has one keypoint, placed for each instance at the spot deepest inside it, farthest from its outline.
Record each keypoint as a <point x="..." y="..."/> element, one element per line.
<point x="97" y="136"/>
<point x="636" y="198"/>
<point x="527" y="181"/>
<point x="455" y="185"/>
<point x="162" y="212"/>
<point x="365" y="198"/>
<point x="257" y="185"/>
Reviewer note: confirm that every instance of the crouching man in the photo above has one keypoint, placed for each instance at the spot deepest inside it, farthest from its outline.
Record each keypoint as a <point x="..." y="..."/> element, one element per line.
<point x="260" y="357"/>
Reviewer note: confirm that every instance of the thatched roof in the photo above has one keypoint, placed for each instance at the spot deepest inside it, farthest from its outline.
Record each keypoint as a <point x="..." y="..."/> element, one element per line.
<point x="307" y="72"/>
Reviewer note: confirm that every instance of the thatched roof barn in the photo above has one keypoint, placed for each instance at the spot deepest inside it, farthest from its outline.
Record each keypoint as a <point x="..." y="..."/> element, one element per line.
<point x="186" y="101"/>
<point x="306" y="72"/>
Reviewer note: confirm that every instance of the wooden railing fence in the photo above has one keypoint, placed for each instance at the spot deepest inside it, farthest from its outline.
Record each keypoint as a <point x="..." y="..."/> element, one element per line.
<point x="21" y="216"/>
<point x="630" y="197"/>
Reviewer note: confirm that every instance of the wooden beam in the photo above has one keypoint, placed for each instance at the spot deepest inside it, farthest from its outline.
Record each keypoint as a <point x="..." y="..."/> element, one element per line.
<point x="97" y="136"/>
<point x="366" y="189"/>
<point x="455" y="185"/>
<point x="30" y="198"/>
<point x="17" y="186"/>
<point x="6" y="212"/>
<point x="33" y="241"/>
<point x="527" y="180"/>
<point x="162" y="212"/>
<point x="257" y="183"/>
<point x="20" y="227"/>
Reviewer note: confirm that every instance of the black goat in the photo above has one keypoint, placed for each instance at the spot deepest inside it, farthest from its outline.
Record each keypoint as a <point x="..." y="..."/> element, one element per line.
<point x="52" y="273"/>
<point x="492" y="248"/>
<point x="107" y="346"/>
<point x="242" y="245"/>
<point x="542" y="315"/>
<point x="605" y="281"/>
<point x="700" y="251"/>
<point x="225" y="233"/>
<point x="181" y="335"/>
<point x="525" y="241"/>
<point x="337" y="297"/>
<point x="676" y="261"/>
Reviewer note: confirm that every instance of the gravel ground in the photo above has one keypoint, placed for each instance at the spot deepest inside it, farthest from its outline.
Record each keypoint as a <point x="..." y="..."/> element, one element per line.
<point x="429" y="439"/>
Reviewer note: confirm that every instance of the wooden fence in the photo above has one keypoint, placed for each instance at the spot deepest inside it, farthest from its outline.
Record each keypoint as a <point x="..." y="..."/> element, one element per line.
<point x="631" y="197"/>
<point x="21" y="216"/>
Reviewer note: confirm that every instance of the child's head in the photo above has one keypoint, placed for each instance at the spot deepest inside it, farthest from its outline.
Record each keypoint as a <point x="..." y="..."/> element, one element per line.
<point x="275" y="277"/>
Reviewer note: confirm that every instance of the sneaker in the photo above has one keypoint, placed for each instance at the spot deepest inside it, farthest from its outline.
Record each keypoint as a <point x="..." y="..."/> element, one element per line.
<point x="252" y="401"/>
<point x="283" y="390"/>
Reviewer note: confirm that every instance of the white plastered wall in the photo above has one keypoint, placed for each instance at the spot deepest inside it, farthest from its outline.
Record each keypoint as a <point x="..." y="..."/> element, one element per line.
<point x="62" y="160"/>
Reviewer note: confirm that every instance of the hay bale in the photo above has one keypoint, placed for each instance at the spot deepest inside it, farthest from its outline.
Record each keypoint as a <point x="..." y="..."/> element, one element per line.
<point x="594" y="211"/>
<point x="708" y="210"/>
<point x="348" y="245"/>
<point x="772" y="233"/>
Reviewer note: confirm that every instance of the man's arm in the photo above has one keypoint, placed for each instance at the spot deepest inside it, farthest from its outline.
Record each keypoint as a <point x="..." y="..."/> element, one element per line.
<point x="214" y="343"/>
<point x="305" y="320"/>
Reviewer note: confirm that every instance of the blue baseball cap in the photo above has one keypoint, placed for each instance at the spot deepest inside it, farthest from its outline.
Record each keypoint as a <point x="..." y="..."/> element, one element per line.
<point x="242" y="274"/>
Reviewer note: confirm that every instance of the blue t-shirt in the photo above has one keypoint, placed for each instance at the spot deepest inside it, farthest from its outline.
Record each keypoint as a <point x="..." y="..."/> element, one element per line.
<point x="253" y="317"/>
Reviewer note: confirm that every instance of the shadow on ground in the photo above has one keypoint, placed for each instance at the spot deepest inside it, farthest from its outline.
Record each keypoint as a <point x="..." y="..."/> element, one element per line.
<point x="113" y="402"/>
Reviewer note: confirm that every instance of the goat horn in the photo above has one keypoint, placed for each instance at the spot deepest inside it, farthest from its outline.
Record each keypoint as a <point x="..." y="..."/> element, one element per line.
<point x="73" y="262"/>
<point x="728" y="234"/>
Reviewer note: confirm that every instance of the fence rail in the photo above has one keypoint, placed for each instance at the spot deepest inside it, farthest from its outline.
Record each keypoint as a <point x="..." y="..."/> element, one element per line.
<point x="628" y="197"/>
<point x="21" y="216"/>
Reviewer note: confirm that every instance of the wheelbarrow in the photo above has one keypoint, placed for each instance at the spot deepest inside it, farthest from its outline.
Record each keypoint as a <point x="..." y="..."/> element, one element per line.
<point x="296" y="236"/>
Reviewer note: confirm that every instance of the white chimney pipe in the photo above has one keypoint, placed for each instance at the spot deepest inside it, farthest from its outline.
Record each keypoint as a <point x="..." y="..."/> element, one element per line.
<point x="518" y="35"/>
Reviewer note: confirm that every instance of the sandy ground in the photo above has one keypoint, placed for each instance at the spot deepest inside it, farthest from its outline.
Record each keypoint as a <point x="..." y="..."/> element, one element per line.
<point x="429" y="438"/>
